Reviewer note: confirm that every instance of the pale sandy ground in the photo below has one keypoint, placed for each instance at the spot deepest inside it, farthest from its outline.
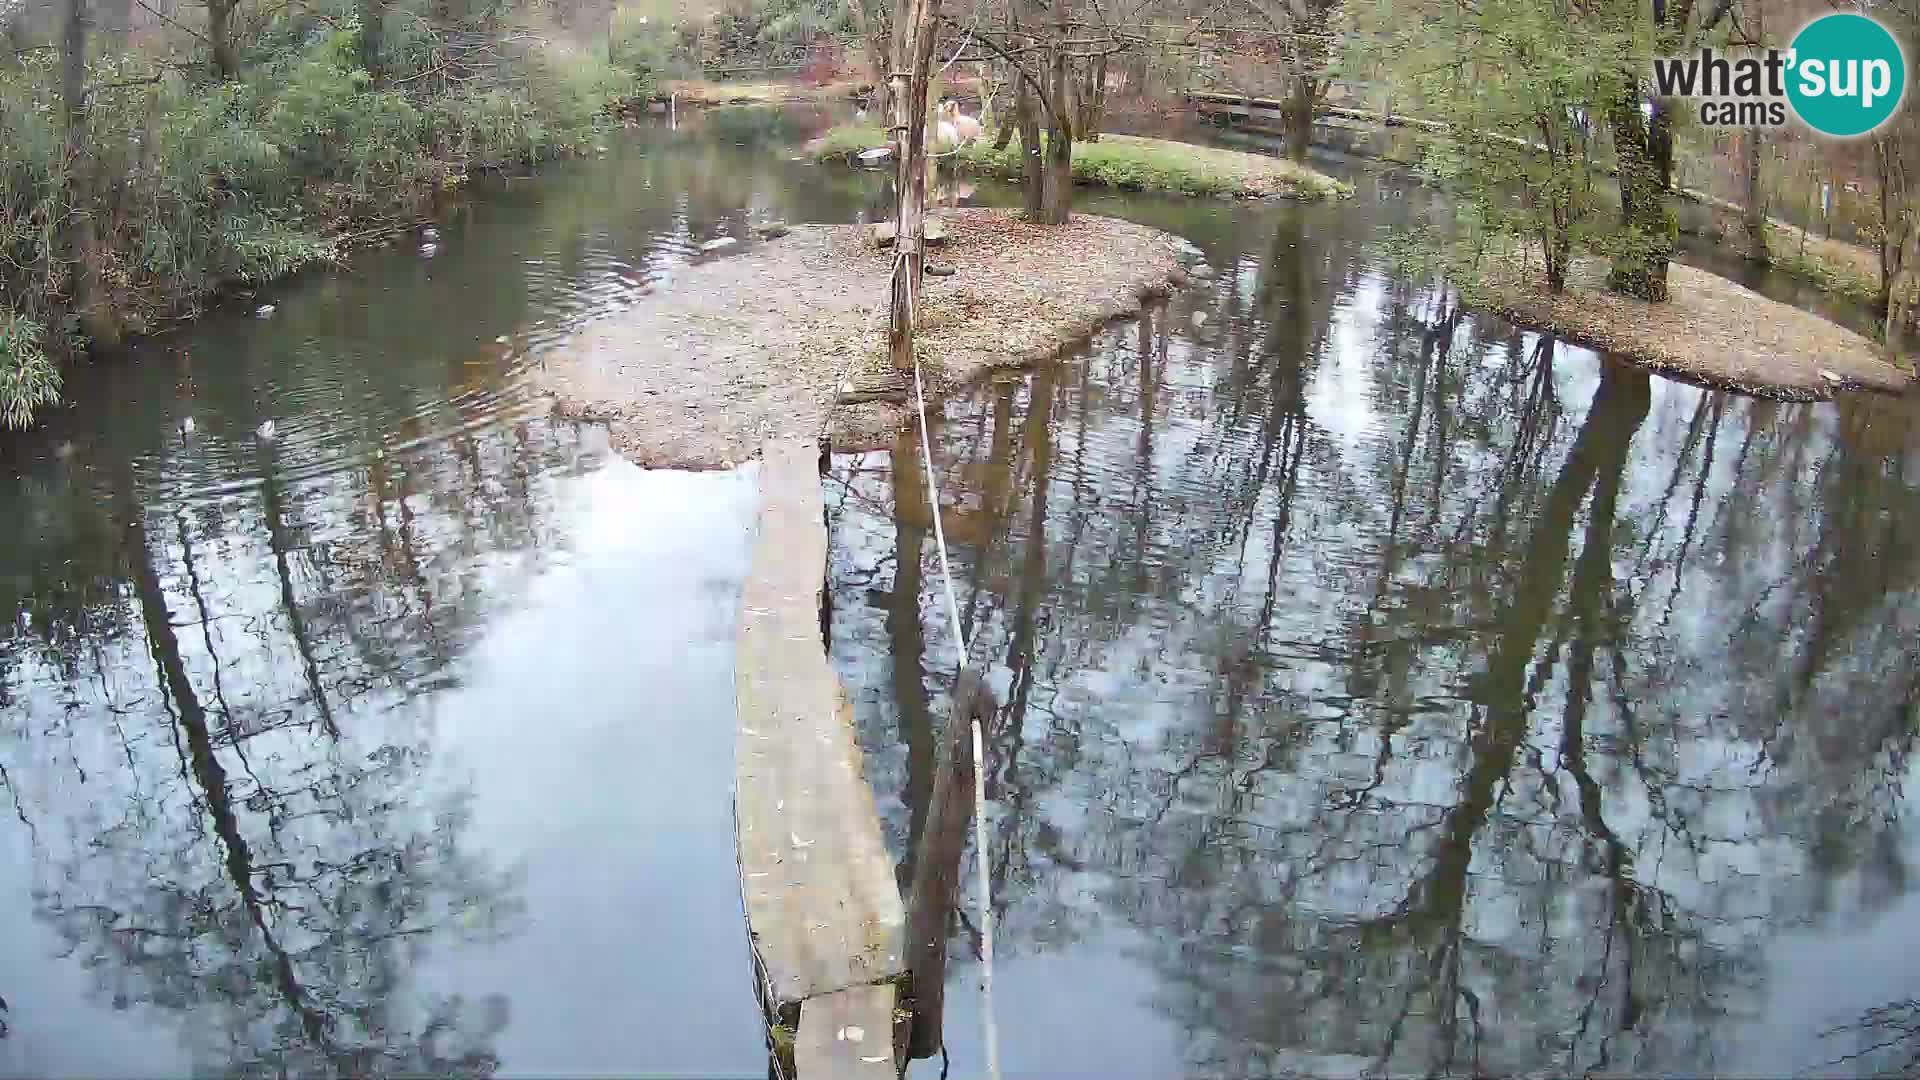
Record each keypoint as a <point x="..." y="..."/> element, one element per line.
<point x="1712" y="331"/>
<point x="764" y="343"/>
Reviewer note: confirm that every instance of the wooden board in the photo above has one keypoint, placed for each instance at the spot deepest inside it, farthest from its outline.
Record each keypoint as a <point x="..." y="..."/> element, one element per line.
<point x="822" y="907"/>
<point x="848" y="1033"/>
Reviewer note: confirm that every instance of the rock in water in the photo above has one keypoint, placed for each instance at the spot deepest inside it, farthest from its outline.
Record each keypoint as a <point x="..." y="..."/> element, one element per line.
<point x="718" y="244"/>
<point x="941" y="269"/>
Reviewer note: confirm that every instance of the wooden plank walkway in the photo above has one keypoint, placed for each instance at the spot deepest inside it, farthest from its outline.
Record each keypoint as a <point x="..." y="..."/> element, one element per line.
<point x="823" y="911"/>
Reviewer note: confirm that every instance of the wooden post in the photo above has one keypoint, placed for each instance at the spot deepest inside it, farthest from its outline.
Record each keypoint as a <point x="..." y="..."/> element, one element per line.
<point x="936" y="866"/>
<point x="910" y="186"/>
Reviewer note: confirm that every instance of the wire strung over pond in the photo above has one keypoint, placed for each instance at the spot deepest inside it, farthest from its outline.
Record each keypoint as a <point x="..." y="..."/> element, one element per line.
<point x="979" y="751"/>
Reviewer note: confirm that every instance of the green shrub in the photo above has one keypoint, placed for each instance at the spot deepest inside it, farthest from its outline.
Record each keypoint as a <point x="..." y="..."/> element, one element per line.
<point x="205" y="184"/>
<point x="29" y="379"/>
<point x="1122" y="161"/>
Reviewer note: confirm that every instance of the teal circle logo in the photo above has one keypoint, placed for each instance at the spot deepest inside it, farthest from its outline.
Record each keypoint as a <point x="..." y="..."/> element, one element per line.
<point x="1846" y="75"/>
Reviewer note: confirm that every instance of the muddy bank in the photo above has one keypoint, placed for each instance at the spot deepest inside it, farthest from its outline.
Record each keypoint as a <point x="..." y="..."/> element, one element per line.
<point x="786" y="338"/>
<point x="1712" y="331"/>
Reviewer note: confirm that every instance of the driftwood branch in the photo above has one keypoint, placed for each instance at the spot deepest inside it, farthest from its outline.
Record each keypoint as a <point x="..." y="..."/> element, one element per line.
<point x="936" y="866"/>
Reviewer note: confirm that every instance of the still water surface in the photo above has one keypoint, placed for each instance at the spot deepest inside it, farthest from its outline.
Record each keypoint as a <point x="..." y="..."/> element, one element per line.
<point x="1381" y="687"/>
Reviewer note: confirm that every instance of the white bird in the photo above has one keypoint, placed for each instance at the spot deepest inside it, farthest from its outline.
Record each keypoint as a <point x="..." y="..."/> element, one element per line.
<point x="264" y="311"/>
<point x="186" y="426"/>
<point x="430" y="234"/>
<point x="265" y="430"/>
<point x="428" y="250"/>
<point x="962" y="128"/>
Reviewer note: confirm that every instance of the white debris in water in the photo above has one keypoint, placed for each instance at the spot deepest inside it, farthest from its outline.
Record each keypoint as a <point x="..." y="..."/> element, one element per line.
<point x="264" y="311"/>
<point x="720" y="244"/>
<point x="875" y="155"/>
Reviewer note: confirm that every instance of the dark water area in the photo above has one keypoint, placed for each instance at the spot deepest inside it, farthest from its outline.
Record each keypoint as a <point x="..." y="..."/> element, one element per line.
<point x="399" y="741"/>
<point x="1381" y="685"/>
<point x="1385" y="690"/>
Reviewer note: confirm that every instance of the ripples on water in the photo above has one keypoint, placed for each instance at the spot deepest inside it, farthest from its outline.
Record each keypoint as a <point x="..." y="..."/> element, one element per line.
<point x="1381" y="686"/>
<point x="394" y="737"/>
<point x="1385" y="688"/>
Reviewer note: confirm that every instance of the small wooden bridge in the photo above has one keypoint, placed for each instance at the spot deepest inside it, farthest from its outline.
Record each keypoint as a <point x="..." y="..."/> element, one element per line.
<point x="824" y="916"/>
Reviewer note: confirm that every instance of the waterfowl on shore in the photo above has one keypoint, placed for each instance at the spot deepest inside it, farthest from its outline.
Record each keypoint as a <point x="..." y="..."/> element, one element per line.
<point x="266" y="431"/>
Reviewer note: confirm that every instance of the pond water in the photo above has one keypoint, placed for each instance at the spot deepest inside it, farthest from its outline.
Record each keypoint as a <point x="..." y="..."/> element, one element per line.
<point x="1381" y="686"/>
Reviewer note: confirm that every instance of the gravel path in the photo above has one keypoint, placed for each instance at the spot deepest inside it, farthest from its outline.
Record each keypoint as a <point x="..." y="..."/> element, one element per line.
<point x="765" y="341"/>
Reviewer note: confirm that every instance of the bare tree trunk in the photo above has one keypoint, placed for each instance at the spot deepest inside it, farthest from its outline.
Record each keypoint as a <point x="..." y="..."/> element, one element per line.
<point x="373" y="14"/>
<point x="1755" y="215"/>
<point x="220" y="38"/>
<point x="1304" y="94"/>
<point x="936" y="864"/>
<point x="86" y="286"/>
<point x="1641" y="269"/>
<point x="876" y="29"/>
<point x="910" y="152"/>
<point x="1093" y="101"/>
<point x="1033" y="167"/>
<point x="1058" y="204"/>
<point x="1900" y="259"/>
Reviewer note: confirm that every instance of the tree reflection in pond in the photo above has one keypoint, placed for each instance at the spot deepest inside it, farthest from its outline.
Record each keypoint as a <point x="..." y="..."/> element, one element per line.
<point x="1397" y="690"/>
<point x="231" y="795"/>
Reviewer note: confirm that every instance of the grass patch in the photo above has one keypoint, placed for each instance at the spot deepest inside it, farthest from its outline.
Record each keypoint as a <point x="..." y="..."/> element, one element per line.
<point x="702" y="92"/>
<point x="1127" y="162"/>
<point x="1842" y="269"/>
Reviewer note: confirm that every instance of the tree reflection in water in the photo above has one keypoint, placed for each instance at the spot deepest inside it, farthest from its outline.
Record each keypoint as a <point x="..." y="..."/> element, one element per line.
<point x="1418" y="694"/>
<point x="230" y="787"/>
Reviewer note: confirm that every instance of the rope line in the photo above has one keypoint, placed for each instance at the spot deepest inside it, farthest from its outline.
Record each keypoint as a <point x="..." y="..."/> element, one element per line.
<point x="979" y="751"/>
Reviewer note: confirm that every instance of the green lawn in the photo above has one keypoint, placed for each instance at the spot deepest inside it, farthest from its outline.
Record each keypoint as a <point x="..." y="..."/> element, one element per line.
<point x="1128" y="162"/>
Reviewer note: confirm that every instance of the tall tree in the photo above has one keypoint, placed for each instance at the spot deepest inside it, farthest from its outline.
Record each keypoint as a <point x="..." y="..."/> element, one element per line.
<point x="85" y="284"/>
<point x="910" y="151"/>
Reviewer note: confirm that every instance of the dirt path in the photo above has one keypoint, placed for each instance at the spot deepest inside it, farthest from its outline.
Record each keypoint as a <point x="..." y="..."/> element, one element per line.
<point x="786" y="338"/>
